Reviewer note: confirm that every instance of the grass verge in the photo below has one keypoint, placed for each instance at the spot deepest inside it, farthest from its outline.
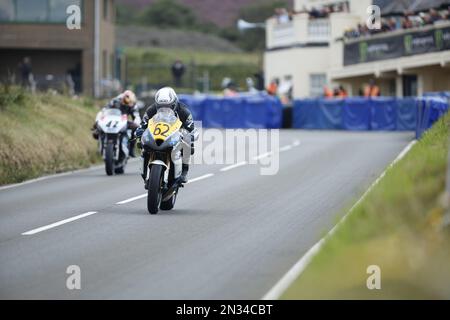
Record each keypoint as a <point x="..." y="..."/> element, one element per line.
<point x="43" y="134"/>
<point x="396" y="227"/>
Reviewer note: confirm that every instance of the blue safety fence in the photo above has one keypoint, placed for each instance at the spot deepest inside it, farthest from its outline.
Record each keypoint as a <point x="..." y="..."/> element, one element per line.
<point x="429" y="109"/>
<point x="244" y="111"/>
<point x="381" y="113"/>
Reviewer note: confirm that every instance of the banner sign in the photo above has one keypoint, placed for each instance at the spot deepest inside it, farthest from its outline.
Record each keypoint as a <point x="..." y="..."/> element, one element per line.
<point x="396" y="46"/>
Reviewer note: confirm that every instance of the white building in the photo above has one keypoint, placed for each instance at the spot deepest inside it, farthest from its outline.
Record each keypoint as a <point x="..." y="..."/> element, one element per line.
<point x="311" y="53"/>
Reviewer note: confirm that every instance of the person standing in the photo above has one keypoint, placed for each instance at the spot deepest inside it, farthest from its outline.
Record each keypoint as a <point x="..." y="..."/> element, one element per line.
<point x="178" y="70"/>
<point x="26" y="72"/>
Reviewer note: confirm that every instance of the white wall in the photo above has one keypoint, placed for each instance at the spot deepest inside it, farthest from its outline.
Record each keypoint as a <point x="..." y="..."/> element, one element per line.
<point x="299" y="63"/>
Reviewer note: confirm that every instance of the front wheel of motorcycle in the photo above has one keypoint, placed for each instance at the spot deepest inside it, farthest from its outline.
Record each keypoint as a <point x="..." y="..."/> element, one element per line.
<point x="109" y="159"/>
<point x="154" y="189"/>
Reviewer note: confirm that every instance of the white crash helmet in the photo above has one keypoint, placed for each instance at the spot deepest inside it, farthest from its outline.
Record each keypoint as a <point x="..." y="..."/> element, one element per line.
<point x="166" y="98"/>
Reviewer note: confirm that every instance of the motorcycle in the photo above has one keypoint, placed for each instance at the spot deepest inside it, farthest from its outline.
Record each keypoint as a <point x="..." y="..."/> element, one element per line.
<point x="162" y="142"/>
<point x="113" y="141"/>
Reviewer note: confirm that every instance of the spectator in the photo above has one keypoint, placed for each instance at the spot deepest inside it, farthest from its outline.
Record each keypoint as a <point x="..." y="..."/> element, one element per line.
<point x="371" y="90"/>
<point x="272" y="89"/>
<point x="178" y="70"/>
<point x="26" y="75"/>
<point x="229" y="87"/>
<point x="327" y="92"/>
<point x="340" y="92"/>
<point x="407" y="21"/>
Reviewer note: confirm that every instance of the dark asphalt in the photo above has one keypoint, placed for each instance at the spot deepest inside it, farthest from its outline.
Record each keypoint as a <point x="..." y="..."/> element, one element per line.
<point x="230" y="236"/>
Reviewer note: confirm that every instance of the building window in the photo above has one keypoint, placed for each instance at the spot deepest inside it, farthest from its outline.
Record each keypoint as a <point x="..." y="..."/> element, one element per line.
<point x="316" y="83"/>
<point x="7" y="10"/>
<point x="36" y="11"/>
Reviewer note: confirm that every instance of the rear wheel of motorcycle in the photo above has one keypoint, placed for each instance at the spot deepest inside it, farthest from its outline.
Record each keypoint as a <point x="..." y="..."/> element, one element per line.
<point x="154" y="189"/>
<point x="109" y="159"/>
<point x="170" y="203"/>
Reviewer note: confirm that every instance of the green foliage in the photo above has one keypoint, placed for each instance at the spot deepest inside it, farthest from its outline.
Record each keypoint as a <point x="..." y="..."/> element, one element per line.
<point x="11" y="95"/>
<point x="154" y="64"/>
<point x="174" y="15"/>
<point x="168" y="14"/>
<point x="126" y="15"/>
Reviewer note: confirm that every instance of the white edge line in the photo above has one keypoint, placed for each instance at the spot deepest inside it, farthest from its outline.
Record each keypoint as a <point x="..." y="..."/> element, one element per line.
<point x="56" y="224"/>
<point x="57" y="175"/>
<point x="294" y="272"/>
<point x="236" y="165"/>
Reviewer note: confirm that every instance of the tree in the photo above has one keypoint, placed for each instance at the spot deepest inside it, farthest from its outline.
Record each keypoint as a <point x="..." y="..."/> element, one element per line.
<point x="168" y="14"/>
<point x="125" y="15"/>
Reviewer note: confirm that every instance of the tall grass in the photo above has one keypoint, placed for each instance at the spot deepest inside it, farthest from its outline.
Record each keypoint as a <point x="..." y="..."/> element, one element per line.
<point x="43" y="133"/>
<point x="398" y="227"/>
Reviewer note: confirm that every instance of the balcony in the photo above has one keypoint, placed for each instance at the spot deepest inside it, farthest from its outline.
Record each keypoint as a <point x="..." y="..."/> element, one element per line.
<point x="299" y="31"/>
<point x="398" y="44"/>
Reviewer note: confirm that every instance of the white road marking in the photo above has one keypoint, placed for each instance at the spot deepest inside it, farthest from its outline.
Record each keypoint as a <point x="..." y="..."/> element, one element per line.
<point x="56" y="224"/>
<point x="285" y="148"/>
<point x="240" y="164"/>
<point x="283" y="284"/>
<point x="296" y="143"/>
<point x="132" y="199"/>
<point x="145" y="194"/>
<point x="262" y="155"/>
<point x="205" y="176"/>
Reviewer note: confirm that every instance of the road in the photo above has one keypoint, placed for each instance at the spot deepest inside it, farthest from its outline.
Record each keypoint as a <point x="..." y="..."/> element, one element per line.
<point x="232" y="234"/>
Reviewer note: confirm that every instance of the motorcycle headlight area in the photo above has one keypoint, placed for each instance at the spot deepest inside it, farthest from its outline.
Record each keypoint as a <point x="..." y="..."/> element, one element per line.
<point x="173" y="139"/>
<point x="147" y="137"/>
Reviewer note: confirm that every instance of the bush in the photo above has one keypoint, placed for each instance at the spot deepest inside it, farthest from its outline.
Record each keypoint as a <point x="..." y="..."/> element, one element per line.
<point x="11" y="95"/>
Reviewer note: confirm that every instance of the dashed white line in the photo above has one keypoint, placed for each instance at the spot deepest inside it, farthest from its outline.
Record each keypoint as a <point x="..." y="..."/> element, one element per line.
<point x="263" y="155"/>
<point x="285" y="148"/>
<point x="205" y="176"/>
<point x="145" y="194"/>
<point x="132" y="199"/>
<point x="236" y="165"/>
<point x="56" y="224"/>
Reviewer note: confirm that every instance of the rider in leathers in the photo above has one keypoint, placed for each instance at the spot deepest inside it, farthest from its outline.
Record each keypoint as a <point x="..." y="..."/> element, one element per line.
<point x="126" y="103"/>
<point x="167" y="98"/>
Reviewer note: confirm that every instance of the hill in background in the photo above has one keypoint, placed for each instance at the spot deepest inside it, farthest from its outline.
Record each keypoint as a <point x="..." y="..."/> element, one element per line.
<point x="222" y="13"/>
<point x="138" y="36"/>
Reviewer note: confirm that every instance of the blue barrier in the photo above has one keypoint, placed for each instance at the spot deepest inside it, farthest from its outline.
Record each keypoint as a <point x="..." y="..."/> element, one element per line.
<point x="246" y="111"/>
<point x="429" y="110"/>
<point x="406" y="114"/>
<point x="381" y="113"/>
<point x="356" y="114"/>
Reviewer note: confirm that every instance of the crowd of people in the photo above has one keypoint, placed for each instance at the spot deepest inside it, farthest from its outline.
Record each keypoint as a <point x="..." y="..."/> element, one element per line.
<point x="283" y="15"/>
<point x="370" y="89"/>
<point x="408" y="20"/>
